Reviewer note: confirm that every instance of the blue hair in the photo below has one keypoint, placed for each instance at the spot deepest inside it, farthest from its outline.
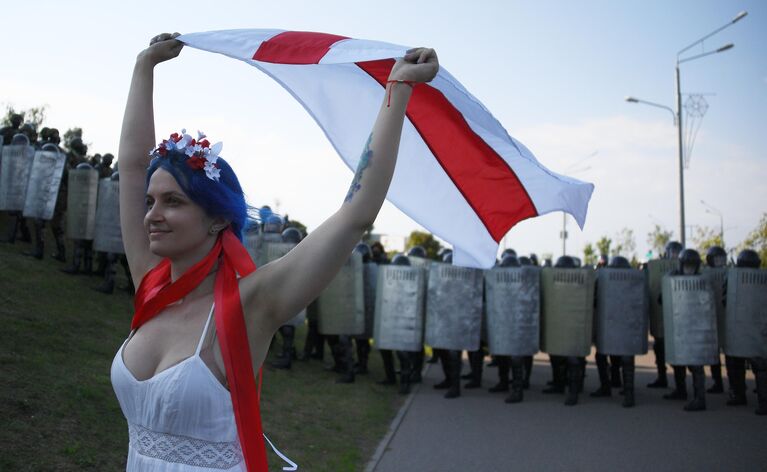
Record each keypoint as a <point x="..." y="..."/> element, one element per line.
<point x="222" y="199"/>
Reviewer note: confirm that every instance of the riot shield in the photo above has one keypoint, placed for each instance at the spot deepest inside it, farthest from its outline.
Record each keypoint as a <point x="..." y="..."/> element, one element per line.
<point x="416" y="261"/>
<point x="656" y="269"/>
<point x="82" y="190"/>
<point x="341" y="306"/>
<point x="14" y="173"/>
<point x="567" y="311"/>
<point x="370" y="283"/>
<point x="297" y="320"/>
<point x="717" y="278"/>
<point x="689" y="321"/>
<point x="44" y="181"/>
<point x="746" y="314"/>
<point x="269" y="251"/>
<point x="622" y="312"/>
<point x="454" y="307"/>
<point x="107" y="236"/>
<point x="399" y="315"/>
<point x="250" y="241"/>
<point x="513" y="307"/>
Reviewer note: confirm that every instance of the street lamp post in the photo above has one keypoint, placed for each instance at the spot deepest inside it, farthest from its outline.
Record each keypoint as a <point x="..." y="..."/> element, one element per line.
<point x="678" y="113"/>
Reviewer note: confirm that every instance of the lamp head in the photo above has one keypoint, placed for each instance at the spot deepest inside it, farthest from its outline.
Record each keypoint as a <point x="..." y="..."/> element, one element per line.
<point x="739" y="16"/>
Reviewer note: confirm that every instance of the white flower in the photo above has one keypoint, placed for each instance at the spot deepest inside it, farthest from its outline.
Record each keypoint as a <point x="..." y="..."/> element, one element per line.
<point x="200" y="135"/>
<point x="212" y="171"/>
<point x="215" y="150"/>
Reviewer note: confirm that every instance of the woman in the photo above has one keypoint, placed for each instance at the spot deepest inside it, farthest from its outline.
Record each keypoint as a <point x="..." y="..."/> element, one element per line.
<point x="182" y="215"/>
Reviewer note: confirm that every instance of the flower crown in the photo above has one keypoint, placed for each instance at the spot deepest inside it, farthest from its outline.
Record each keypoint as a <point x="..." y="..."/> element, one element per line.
<point x="201" y="155"/>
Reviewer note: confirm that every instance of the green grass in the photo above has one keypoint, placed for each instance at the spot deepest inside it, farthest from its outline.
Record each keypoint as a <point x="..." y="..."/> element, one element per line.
<point x="58" y="410"/>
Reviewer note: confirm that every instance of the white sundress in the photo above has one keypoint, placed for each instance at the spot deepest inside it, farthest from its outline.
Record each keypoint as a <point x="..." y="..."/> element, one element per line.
<point x="181" y="419"/>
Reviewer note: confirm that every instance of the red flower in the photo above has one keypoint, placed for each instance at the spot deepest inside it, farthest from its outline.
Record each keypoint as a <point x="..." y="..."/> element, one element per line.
<point x="162" y="151"/>
<point x="196" y="163"/>
<point x="204" y="143"/>
<point x="175" y="137"/>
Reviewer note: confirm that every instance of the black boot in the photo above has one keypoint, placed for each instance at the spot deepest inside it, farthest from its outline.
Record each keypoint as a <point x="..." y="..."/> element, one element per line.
<point x="418" y="358"/>
<point x="503" y="375"/>
<point x="347" y="374"/>
<point x="604" y="381"/>
<point x="405" y="371"/>
<point x="337" y="352"/>
<point x="680" y="382"/>
<point x="444" y="358"/>
<point x="108" y="286"/>
<point x="39" y="250"/>
<point x="574" y="373"/>
<point x="60" y="254"/>
<point x="388" y="361"/>
<point x="582" y="376"/>
<point x="363" y="351"/>
<point x="660" y="364"/>
<point x="434" y="356"/>
<point x="493" y="362"/>
<point x="716" y="375"/>
<point x="698" y="403"/>
<point x="528" y="370"/>
<point x="615" y="371"/>
<point x="628" y="381"/>
<point x="475" y="361"/>
<point x="517" y="380"/>
<point x="25" y="236"/>
<point x="736" y="374"/>
<point x="288" y="336"/>
<point x="455" y="375"/>
<point x="88" y="257"/>
<point x="558" y="369"/>
<point x="759" y="365"/>
<point x="77" y="258"/>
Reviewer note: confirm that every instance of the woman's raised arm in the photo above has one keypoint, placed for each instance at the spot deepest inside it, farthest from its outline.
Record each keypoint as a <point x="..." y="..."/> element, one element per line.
<point x="137" y="138"/>
<point x="281" y="289"/>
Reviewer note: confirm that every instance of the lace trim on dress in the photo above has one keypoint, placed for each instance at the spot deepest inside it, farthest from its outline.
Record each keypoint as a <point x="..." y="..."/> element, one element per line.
<point x="183" y="449"/>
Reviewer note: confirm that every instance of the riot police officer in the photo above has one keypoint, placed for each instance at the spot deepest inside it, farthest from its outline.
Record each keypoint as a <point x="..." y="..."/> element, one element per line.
<point x="418" y="358"/>
<point x="362" y="342"/>
<point x="287" y="331"/>
<point x="528" y="360"/>
<point x="451" y="361"/>
<point x="568" y="371"/>
<point x="672" y="251"/>
<point x="736" y="365"/>
<point x="689" y="264"/>
<point x="716" y="257"/>
<point x="619" y="343"/>
<point x="516" y="363"/>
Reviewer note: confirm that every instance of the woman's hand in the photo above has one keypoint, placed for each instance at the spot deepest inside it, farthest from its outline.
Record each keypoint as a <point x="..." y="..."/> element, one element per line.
<point x="418" y="65"/>
<point x="162" y="47"/>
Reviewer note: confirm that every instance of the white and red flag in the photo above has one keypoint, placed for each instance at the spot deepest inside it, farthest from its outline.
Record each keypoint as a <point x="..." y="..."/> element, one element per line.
<point x="459" y="173"/>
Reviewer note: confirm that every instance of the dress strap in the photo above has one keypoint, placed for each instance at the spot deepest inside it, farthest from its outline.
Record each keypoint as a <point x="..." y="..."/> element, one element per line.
<point x="204" y="332"/>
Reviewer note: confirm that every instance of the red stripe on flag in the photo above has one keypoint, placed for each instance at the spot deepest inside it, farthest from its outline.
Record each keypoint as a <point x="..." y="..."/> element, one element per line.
<point x="296" y="47"/>
<point x="484" y="179"/>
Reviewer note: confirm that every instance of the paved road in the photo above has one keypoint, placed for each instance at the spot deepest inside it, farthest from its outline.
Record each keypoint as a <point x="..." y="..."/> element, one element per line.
<point x="479" y="432"/>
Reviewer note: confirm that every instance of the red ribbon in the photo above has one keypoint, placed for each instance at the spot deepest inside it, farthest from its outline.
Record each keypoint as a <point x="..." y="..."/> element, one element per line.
<point x="156" y="292"/>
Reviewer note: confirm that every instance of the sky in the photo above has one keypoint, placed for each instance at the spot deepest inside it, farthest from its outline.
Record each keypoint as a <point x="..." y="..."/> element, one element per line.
<point x="554" y="73"/>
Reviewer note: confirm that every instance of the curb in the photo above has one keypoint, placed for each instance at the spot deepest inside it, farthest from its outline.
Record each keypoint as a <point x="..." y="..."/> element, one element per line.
<point x="394" y="426"/>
